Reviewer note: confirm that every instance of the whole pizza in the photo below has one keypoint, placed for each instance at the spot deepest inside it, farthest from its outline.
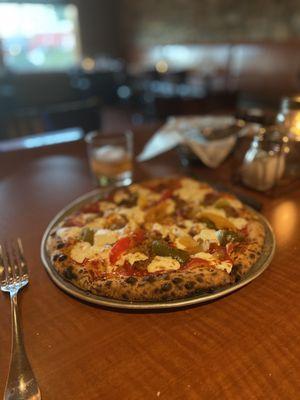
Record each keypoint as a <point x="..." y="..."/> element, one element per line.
<point x="161" y="239"/>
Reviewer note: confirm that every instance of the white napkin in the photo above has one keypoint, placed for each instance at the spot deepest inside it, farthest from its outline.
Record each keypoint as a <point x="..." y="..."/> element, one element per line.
<point x="191" y="132"/>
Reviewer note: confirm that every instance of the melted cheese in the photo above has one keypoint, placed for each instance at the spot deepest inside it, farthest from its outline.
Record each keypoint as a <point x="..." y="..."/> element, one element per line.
<point x="152" y="196"/>
<point x="186" y="242"/>
<point x="207" y="237"/>
<point x="222" y="265"/>
<point x="197" y="227"/>
<point x="105" y="236"/>
<point x="239" y="223"/>
<point x="169" y="206"/>
<point x="105" y="252"/>
<point x="97" y="223"/>
<point x="179" y="245"/>
<point x="131" y="258"/>
<point x="135" y="214"/>
<point x="188" y="223"/>
<point x="192" y="191"/>
<point x="216" y="211"/>
<point x="120" y="196"/>
<point x="163" y="230"/>
<point x="176" y="232"/>
<point x="173" y="231"/>
<point x="83" y="250"/>
<point x="204" y="256"/>
<point x="235" y="203"/>
<point x="72" y="232"/>
<point x="145" y="196"/>
<point x="225" y="266"/>
<point x="129" y="228"/>
<point x="107" y="205"/>
<point x="163" y="264"/>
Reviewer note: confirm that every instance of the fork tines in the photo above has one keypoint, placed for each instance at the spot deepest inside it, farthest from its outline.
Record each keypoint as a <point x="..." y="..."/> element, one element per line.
<point x="13" y="266"/>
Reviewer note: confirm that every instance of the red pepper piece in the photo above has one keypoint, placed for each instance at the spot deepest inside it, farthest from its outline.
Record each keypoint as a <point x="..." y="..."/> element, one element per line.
<point x="73" y="221"/>
<point x="124" y="244"/>
<point x="118" y="248"/>
<point x="166" y="195"/>
<point x="220" y="251"/>
<point x="211" y="198"/>
<point x="126" y="269"/>
<point x="196" y="262"/>
<point x="244" y="231"/>
<point x="91" y="208"/>
<point x="138" y="236"/>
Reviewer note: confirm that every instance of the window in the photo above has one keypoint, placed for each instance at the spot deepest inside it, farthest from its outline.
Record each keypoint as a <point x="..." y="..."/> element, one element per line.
<point x="37" y="37"/>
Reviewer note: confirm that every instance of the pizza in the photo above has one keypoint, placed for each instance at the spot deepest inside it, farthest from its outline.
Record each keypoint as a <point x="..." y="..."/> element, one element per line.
<point x="161" y="239"/>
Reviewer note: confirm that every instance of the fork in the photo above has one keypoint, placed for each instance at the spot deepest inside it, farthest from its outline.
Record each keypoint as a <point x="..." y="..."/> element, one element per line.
<point x="21" y="383"/>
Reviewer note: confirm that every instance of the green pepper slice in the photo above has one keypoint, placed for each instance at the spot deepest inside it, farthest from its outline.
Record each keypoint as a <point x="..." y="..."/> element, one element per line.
<point x="87" y="235"/>
<point x="161" y="248"/>
<point x="225" y="237"/>
<point x="221" y="203"/>
<point x="208" y="223"/>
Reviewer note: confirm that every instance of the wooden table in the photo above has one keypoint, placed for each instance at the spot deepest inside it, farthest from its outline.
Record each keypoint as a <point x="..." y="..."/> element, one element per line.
<point x="243" y="346"/>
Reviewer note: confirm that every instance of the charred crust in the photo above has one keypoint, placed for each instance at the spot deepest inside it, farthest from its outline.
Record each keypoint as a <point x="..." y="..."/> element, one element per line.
<point x="166" y="287"/>
<point x="131" y="280"/>
<point x="189" y="285"/>
<point x="60" y="245"/>
<point x="69" y="274"/>
<point x="236" y="272"/>
<point x="236" y="268"/>
<point x="149" y="278"/>
<point x="177" y="280"/>
<point x="55" y="257"/>
<point x="211" y="289"/>
<point x="108" y="284"/>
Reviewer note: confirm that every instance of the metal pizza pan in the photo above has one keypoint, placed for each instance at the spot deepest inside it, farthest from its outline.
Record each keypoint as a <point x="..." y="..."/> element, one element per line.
<point x="257" y="269"/>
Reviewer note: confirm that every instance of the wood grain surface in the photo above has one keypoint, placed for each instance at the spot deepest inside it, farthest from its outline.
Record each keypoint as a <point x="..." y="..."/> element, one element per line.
<point x="243" y="346"/>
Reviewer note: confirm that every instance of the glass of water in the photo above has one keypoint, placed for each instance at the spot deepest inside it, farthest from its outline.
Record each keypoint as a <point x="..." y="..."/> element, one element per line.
<point x="110" y="157"/>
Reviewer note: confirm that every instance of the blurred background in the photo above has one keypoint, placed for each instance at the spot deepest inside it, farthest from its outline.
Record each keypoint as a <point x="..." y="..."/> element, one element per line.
<point x="112" y="64"/>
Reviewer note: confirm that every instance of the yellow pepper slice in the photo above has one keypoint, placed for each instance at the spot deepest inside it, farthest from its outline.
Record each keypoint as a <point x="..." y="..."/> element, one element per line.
<point x="219" y="221"/>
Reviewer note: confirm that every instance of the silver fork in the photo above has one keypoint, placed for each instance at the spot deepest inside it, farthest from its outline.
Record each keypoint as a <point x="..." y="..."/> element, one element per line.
<point x="21" y="383"/>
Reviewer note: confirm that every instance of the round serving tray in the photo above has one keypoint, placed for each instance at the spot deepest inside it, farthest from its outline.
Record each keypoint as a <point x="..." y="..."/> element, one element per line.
<point x="256" y="270"/>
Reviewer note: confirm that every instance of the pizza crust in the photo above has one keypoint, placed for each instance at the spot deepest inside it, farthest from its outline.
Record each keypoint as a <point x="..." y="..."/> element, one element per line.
<point x="154" y="287"/>
<point x="245" y="256"/>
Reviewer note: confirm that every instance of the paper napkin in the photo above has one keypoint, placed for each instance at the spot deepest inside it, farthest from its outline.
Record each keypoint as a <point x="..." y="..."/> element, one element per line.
<point x="195" y="133"/>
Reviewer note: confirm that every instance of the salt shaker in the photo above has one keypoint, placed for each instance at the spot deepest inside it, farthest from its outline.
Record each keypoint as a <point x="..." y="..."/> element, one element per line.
<point x="264" y="162"/>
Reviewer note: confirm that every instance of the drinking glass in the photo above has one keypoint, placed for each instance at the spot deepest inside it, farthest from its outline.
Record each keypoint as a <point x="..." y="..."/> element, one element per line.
<point x="110" y="157"/>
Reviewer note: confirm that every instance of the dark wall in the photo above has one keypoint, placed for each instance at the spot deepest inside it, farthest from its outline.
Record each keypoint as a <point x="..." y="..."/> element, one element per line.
<point x="152" y="22"/>
<point x="99" y="26"/>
